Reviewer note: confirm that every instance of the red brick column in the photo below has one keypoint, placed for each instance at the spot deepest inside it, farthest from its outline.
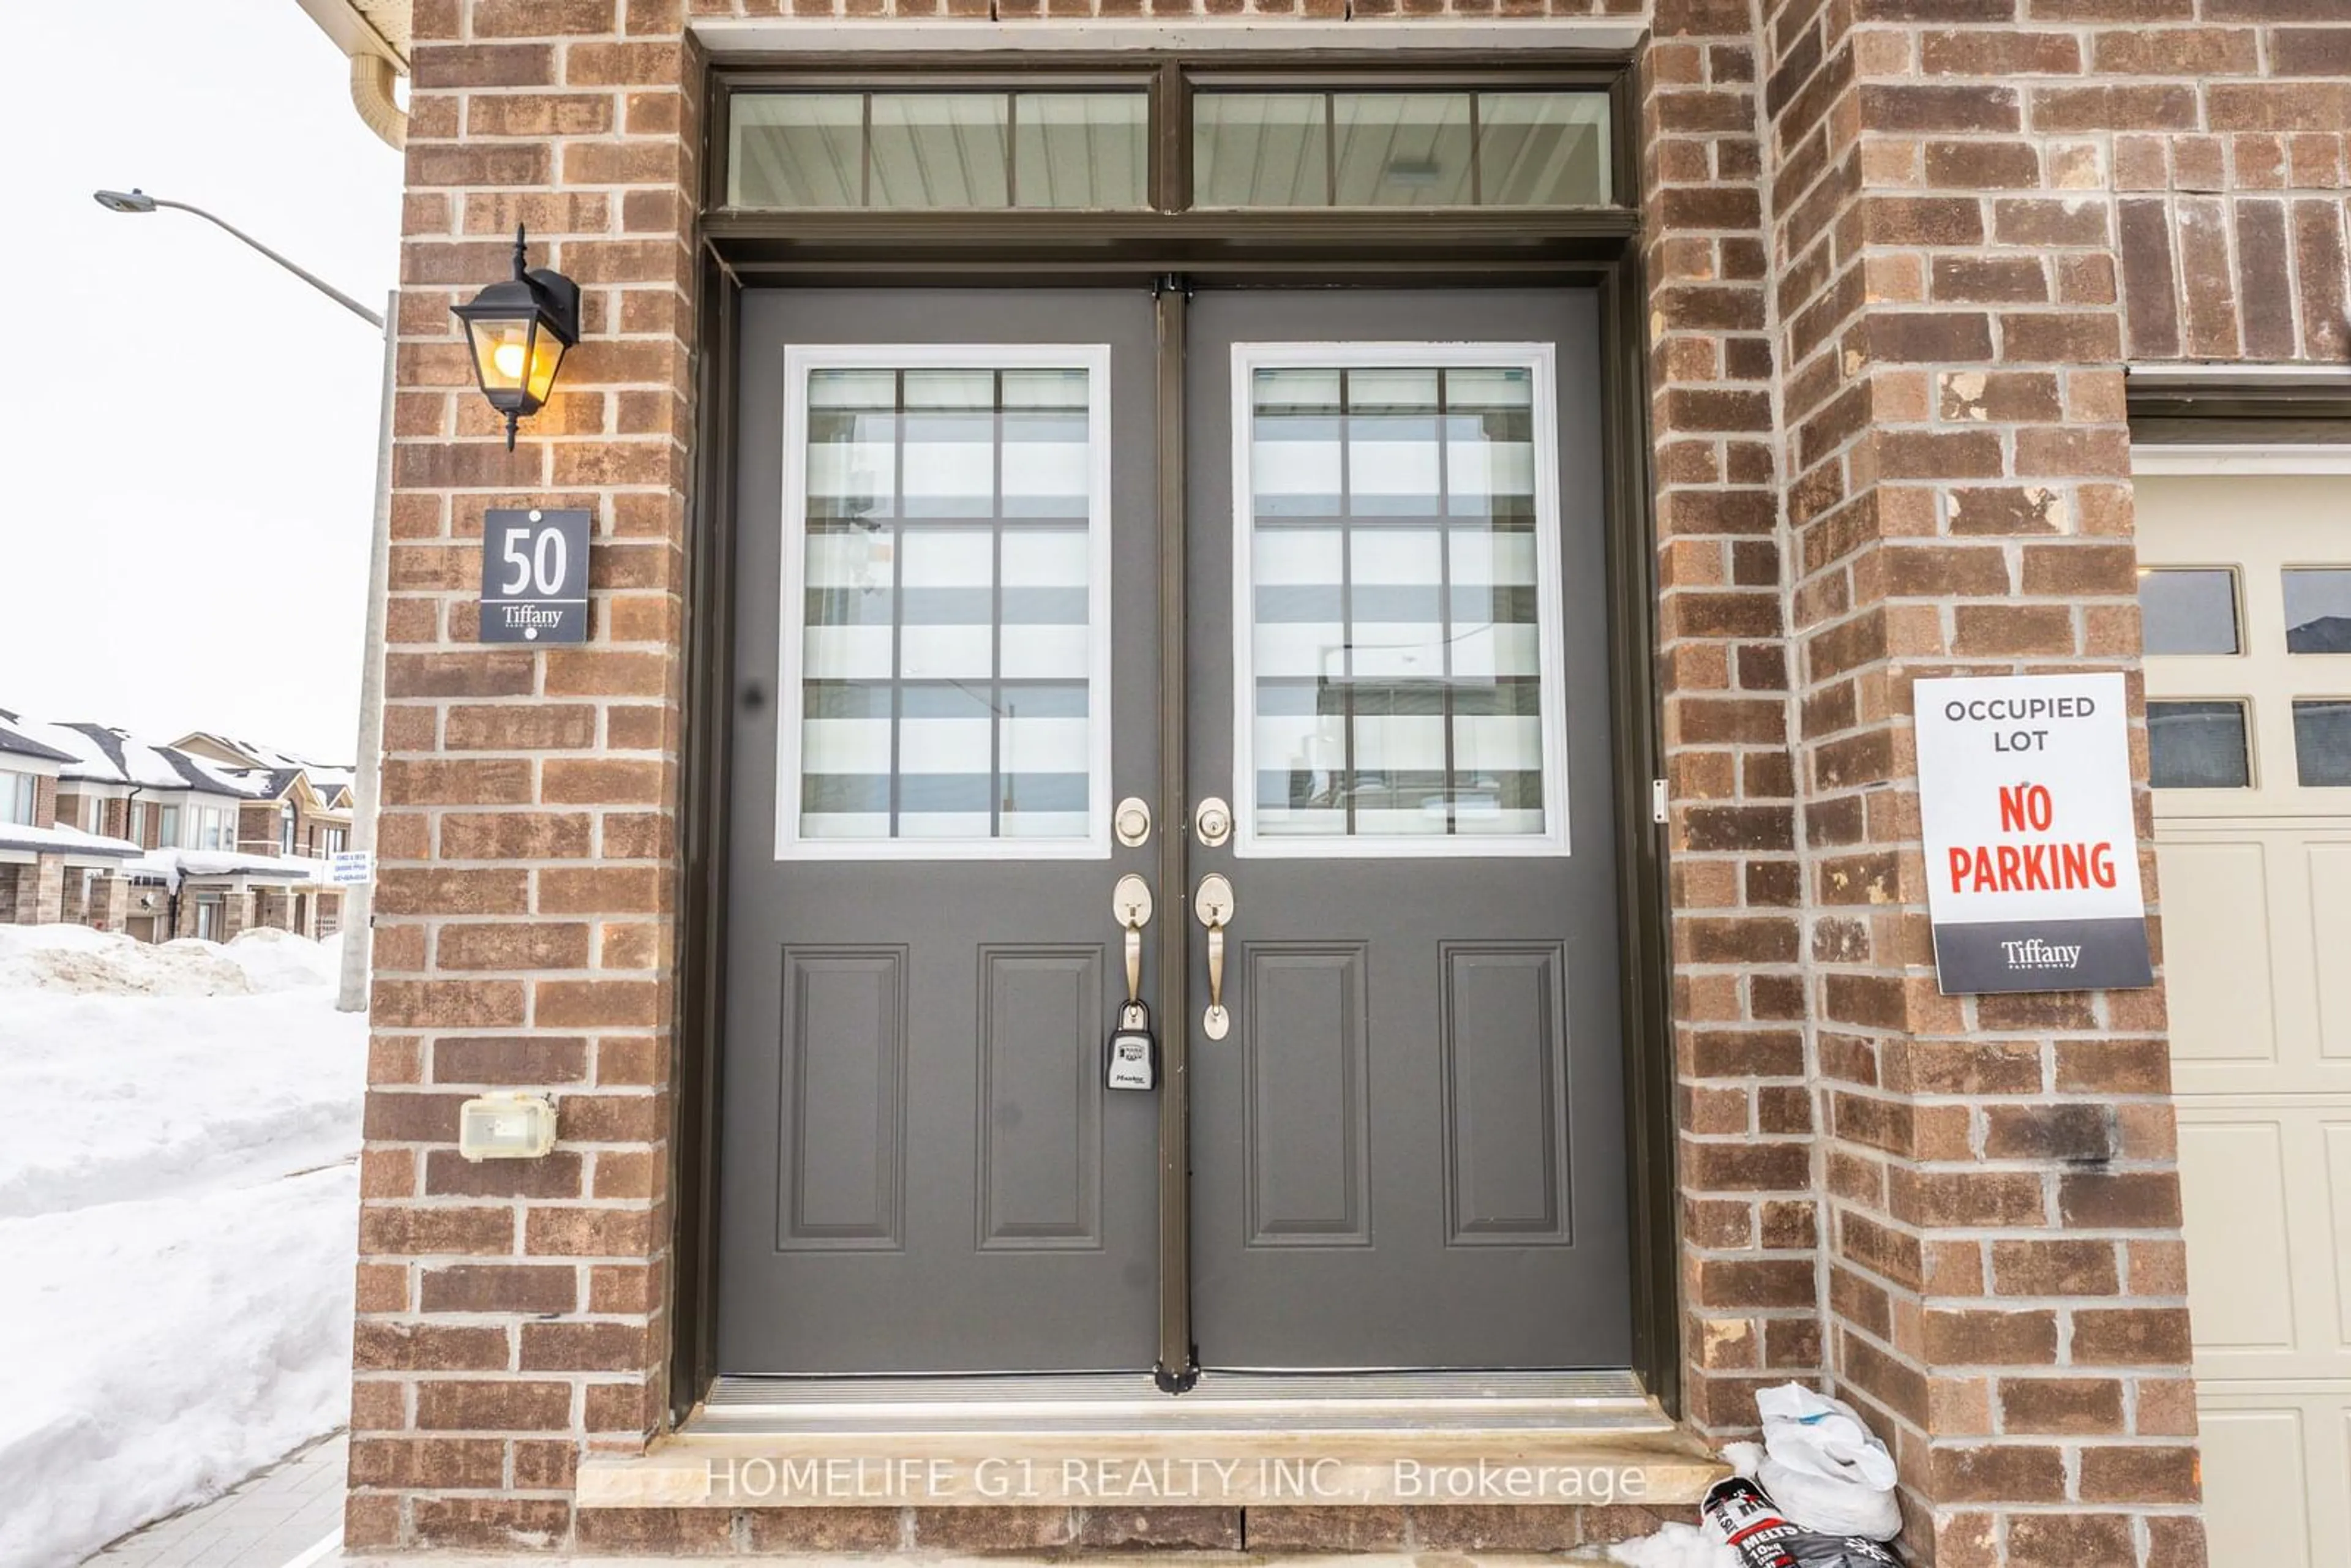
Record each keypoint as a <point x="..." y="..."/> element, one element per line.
<point x="2005" y="1274"/>
<point x="1747" y="1215"/>
<point x="511" y="1313"/>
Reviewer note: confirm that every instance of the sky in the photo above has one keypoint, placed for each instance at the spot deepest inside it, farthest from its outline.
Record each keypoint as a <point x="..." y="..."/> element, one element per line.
<point x="187" y="434"/>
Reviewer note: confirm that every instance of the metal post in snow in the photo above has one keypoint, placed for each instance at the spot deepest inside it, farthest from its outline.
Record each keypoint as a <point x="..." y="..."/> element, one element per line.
<point x="359" y="899"/>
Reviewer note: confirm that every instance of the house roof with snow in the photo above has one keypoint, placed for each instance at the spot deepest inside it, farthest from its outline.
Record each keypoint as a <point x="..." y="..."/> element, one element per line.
<point x="71" y="843"/>
<point x="17" y="743"/>
<point x="271" y="769"/>
<point x="111" y="756"/>
<point x="105" y="753"/>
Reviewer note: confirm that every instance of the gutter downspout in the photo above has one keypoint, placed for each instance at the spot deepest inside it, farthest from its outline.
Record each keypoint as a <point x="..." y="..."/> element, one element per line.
<point x="375" y="63"/>
<point x="371" y="81"/>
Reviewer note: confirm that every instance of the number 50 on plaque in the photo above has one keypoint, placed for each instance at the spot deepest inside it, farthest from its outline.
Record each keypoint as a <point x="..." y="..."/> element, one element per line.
<point x="534" y="575"/>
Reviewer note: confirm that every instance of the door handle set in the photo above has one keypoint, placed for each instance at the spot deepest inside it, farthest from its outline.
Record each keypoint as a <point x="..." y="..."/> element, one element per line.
<point x="1213" y="904"/>
<point x="1131" y="902"/>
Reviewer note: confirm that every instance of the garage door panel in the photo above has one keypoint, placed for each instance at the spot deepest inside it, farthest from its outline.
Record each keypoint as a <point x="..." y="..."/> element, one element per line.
<point x="2216" y="903"/>
<point x="2235" y="1195"/>
<point x="2257" y="1474"/>
<point x="2335" y="1137"/>
<point x="2329" y="867"/>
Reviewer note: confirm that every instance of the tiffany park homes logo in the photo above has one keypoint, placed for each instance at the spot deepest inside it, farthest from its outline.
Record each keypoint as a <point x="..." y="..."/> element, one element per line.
<point x="1078" y="1479"/>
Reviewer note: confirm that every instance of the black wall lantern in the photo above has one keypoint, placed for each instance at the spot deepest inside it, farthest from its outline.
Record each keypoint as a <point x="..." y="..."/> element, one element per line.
<point x="519" y="330"/>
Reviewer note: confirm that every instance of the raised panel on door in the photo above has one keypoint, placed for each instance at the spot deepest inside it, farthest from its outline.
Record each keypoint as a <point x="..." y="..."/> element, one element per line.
<point x="2216" y="931"/>
<point x="2327" y="866"/>
<point x="1506" y="1095"/>
<point x="1308" y="1139"/>
<point x="839" y="1167"/>
<point x="2257" y="1485"/>
<point x="1041" y="1098"/>
<point x="2236" y="1196"/>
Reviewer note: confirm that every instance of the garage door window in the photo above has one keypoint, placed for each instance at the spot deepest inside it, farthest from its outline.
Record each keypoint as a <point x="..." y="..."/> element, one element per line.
<point x="2189" y="612"/>
<point x="2317" y="610"/>
<point x="2197" y="746"/>
<point x="2192" y="612"/>
<point x="2322" y="742"/>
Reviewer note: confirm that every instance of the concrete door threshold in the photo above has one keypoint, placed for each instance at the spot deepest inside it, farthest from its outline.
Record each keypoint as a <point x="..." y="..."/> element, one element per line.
<point x="1033" y="1560"/>
<point x="1303" y="1467"/>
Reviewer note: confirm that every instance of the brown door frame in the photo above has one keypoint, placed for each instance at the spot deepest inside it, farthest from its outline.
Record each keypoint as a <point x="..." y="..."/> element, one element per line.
<point x="1167" y="250"/>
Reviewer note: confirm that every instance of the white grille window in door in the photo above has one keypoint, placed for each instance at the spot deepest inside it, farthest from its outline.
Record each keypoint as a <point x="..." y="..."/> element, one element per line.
<point x="945" y="592"/>
<point x="1398" y="670"/>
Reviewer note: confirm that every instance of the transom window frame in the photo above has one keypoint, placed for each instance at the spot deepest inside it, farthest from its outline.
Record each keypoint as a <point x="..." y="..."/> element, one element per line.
<point x="800" y="360"/>
<point x="1170" y="81"/>
<point x="1540" y="359"/>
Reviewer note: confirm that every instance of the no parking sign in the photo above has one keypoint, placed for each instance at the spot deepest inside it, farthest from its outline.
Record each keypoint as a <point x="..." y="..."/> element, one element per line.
<point x="2024" y="801"/>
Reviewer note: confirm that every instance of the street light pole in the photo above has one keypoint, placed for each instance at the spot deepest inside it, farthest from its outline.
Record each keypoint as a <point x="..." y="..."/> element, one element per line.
<point x="352" y="995"/>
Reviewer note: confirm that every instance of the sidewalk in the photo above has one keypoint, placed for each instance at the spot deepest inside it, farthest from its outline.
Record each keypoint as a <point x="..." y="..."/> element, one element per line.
<point x="272" y="1520"/>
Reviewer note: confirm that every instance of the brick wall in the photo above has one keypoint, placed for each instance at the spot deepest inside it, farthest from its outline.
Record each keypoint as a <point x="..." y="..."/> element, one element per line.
<point x="2231" y="125"/>
<point x="1749" y="1273"/>
<point x="2006" y="1280"/>
<point x="512" y="1315"/>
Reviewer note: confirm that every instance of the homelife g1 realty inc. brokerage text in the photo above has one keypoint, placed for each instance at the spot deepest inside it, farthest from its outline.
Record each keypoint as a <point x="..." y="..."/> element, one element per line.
<point x="2024" y="801"/>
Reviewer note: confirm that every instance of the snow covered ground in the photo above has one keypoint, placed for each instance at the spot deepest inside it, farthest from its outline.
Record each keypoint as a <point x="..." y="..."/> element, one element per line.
<point x="177" y="1210"/>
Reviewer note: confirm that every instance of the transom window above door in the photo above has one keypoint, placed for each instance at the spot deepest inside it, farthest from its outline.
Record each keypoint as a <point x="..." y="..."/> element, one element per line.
<point x="1170" y="140"/>
<point x="943" y="653"/>
<point x="1398" y="671"/>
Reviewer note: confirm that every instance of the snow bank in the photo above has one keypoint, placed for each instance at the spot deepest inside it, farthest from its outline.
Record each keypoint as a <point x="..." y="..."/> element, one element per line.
<point x="159" y="1352"/>
<point x="175" y="1305"/>
<point x="131" y="1097"/>
<point x="80" y="960"/>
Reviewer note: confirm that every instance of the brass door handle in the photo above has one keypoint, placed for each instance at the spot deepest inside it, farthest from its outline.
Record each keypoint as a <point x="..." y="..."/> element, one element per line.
<point x="1131" y="901"/>
<point x="1213" y="904"/>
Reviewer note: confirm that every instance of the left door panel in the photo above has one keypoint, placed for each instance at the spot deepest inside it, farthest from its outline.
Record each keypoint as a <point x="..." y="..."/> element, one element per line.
<point x="944" y="670"/>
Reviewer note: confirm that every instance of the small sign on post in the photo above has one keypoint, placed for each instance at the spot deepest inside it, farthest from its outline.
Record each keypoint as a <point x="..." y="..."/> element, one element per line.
<point x="350" y="868"/>
<point x="534" y="575"/>
<point x="2024" y="801"/>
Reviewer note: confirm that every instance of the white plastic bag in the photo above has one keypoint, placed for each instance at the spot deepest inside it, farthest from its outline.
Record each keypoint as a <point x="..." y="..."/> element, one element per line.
<point x="1823" y="1467"/>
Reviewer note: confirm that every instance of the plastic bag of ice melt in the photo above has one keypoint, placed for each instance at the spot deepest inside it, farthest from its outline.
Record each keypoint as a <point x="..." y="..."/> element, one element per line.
<point x="1823" y="1467"/>
<point x="1740" y="1514"/>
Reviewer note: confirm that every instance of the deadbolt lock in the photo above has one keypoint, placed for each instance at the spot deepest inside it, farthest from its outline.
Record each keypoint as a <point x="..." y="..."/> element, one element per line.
<point x="1131" y="822"/>
<point x="1213" y="822"/>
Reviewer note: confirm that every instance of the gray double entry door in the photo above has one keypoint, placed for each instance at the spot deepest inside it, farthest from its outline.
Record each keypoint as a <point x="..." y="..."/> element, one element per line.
<point x="1407" y="1142"/>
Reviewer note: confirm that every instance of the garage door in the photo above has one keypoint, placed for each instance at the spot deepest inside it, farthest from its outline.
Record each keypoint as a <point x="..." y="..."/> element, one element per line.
<point x="2246" y="592"/>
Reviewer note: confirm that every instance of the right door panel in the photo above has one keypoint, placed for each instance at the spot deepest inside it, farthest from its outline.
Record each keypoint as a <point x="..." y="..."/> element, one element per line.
<point x="1408" y="1150"/>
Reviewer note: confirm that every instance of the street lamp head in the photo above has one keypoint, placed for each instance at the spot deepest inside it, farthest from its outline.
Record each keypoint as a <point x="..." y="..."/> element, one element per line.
<point x="135" y="199"/>
<point x="519" y="330"/>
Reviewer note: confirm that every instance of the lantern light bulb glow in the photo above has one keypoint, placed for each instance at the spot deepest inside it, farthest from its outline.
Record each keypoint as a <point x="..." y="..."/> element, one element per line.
<point x="508" y="359"/>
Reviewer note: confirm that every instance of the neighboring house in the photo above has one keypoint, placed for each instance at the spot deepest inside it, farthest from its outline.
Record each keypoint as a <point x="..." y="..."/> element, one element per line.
<point x="51" y="867"/>
<point x="168" y="842"/>
<point x="298" y="808"/>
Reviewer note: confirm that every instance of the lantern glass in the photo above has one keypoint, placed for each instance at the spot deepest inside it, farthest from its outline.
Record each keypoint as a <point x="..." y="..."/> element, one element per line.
<point x="515" y="360"/>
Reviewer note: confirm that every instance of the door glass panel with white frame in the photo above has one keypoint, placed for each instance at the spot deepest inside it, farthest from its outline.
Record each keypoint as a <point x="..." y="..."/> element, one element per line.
<point x="941" y="649"/>
<point x="1400" y="671"/>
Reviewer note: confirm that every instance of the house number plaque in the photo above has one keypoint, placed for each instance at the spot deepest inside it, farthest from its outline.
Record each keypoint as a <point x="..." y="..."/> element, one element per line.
<point x="534" y="575"/>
